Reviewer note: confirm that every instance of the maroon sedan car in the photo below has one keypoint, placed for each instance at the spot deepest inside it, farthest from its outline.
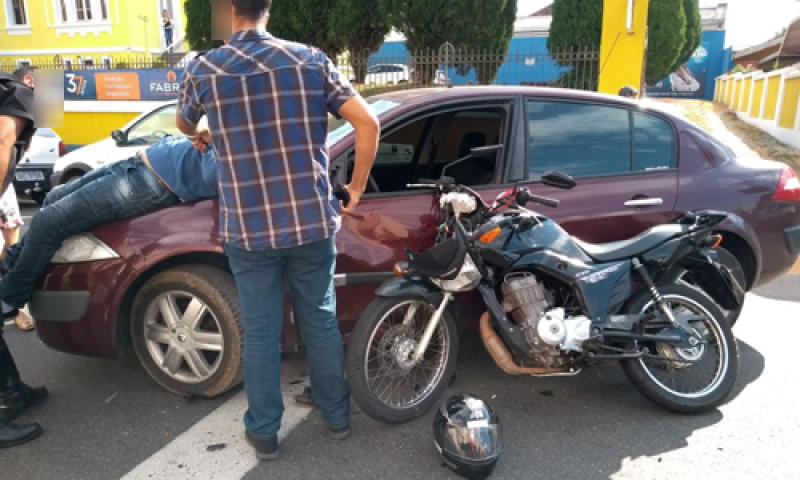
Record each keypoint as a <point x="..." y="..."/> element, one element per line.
<point x="160" y="283"/>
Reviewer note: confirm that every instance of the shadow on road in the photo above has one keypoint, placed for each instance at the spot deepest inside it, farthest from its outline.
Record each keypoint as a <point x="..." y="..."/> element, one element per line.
<point x="581" y="427"/>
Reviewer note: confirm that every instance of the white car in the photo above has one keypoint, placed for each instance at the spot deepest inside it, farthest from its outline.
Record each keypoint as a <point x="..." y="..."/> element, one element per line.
<point x="144" y="130"/>
<point x="33" y="171"/>
<point x="387" y="74"/>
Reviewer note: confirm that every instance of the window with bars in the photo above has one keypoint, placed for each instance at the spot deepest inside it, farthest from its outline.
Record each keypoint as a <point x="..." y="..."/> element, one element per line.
<point x="71" y="11"/>
<point x="19" y="16"/>
<point x="83" y="10"/>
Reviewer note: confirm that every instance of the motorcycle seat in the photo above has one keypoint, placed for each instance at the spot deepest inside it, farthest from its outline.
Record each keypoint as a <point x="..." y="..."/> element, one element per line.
<point x="650" y="238"/>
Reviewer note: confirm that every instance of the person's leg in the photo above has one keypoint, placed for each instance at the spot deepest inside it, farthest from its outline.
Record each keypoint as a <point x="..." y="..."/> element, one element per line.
<point x="259" y="281"/>
<point x="310" y="270"/>
<point x="126" y="189"/>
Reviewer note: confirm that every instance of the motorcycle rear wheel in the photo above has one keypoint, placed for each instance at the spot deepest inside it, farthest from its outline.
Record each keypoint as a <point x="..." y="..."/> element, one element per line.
<point x="382" y="381"/>
<point x="663" y="380"/>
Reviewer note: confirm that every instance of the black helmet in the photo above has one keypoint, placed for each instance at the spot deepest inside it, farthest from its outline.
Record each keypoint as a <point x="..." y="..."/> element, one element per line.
<point x="467" y="434"/>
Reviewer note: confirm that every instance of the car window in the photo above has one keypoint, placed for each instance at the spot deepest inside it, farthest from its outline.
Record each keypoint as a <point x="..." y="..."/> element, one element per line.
<point x="154" y="127"/>
<point x="579" y="139"/>
<point x="653" y="143"/>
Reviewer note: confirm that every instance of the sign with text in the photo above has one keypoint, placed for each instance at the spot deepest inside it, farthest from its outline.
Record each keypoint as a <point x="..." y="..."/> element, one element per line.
<point x="160" y="84"/>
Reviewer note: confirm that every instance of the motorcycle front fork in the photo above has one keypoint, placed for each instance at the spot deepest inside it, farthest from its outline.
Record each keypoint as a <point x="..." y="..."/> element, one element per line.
<point x="419" y="352"/>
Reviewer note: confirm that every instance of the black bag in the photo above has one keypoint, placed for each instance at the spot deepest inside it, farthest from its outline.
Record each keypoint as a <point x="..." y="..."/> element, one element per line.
<point x="16" y="100"/>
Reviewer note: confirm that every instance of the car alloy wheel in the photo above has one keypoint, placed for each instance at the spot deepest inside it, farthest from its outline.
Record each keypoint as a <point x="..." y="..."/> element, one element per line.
<point x="183" y="336"/>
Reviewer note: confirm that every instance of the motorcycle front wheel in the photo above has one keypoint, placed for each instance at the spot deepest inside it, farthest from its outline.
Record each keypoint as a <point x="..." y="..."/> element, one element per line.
<point x="384" y="379"/>
<point x="685" y="380"/>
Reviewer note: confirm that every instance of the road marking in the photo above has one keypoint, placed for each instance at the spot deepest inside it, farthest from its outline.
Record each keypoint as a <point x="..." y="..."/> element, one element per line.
<point x="187" y="456"/>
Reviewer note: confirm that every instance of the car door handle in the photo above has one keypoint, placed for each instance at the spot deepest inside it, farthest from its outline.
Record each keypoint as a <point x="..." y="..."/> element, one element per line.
<point x="644" y="202"/>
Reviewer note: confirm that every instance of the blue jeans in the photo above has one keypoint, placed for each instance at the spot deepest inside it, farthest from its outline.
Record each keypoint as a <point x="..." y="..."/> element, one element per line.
<point x="308" y="270"/>
<point x="124" y="189"/>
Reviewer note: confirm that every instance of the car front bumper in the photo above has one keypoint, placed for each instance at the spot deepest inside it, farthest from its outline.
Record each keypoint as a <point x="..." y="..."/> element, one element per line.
<point x="76" y="307"/>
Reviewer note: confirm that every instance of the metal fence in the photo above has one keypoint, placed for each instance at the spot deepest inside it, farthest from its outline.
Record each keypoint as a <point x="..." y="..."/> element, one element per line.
<point x="520" y="65"/>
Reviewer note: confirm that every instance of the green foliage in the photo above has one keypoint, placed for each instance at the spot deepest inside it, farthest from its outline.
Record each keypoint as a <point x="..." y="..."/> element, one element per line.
<point x="361" y="26"/>
<point x="306" y="21"/>
<point x="694" y="31"/>
<point x="470" y="24"/>
<point x="576" y="24"/>
<point x="198" y="24"/>
<point x="666" y="37"/>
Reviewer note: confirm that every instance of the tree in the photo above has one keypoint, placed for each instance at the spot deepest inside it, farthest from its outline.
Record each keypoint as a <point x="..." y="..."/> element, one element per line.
<point x="198" y="24"/>
<point x="361" y="26"/>
<point x="306" y="21"/>
<point x="694" y="32"/>
<point x="577" y="26"/>
<point x="428" y="24"/>
<point x="666" y="33"/>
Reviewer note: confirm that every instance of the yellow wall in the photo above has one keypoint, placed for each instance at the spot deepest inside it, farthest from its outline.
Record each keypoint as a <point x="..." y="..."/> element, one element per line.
<point x="771" y="107"/>
<point x="791" y="96"/>
<point x="126" y="36"/>
<point x="745" y="103"/>
<point x="737" y="90"/>
<point x="622" y="52"/>
<point x="82" y="128"/>
<point x="758" y="93"/>
<point x="729" y="91"/>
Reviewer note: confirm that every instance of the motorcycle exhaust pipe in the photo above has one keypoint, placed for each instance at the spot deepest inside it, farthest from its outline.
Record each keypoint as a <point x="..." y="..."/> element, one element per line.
<point x="502" y="357"/>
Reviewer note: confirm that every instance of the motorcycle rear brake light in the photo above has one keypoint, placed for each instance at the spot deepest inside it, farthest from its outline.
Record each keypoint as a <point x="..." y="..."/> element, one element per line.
<point x="788" y="187"/>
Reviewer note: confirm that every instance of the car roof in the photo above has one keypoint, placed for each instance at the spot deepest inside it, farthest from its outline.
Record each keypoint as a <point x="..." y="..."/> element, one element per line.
<point x="426" y="95"/>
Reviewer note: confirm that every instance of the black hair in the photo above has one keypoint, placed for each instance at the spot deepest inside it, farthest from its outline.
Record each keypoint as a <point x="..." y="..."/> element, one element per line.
<point x="20" y="73"/>
<point x="252" y="9"/>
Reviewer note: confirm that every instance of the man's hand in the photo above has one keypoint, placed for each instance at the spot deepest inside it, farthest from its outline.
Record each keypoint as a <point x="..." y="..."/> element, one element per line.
<point x="367" y="131"/>
<point x="355" y="198"/>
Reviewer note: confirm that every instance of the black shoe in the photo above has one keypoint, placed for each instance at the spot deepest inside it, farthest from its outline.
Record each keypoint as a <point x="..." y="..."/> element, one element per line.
<point x="266" y="448"/>
<point x="14" y="402"/>
<point x="340" y="433"/>
<point x="16" y="434"/>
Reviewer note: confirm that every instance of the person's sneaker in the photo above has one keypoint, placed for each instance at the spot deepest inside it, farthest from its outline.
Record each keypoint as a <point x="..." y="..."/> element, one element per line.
<point x="266" y="448"/>
<point x="340" y="433"/>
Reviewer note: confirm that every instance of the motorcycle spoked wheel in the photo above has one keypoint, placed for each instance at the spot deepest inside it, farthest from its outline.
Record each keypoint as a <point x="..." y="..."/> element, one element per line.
<point x="691" y="380"/>
<point x="383" y="381"/>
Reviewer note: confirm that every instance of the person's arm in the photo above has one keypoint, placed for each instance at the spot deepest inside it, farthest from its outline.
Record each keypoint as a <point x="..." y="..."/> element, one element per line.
<point x="189" y="109"/>
<point x="367" y="133"/>
<point x="10" y="130"/>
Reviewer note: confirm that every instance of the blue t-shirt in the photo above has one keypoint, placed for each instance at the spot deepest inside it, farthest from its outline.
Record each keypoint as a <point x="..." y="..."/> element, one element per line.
<point x="190" y="175"/>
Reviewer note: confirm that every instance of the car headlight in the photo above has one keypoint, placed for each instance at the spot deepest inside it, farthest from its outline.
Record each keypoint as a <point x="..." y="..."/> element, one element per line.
<point x="84" y="247"/>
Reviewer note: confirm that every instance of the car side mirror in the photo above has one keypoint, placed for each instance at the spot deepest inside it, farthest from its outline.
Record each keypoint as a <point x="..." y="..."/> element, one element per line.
<point x="485" y="152"/>
<point x="558" y="180"/>
<point x="119" y="137"/>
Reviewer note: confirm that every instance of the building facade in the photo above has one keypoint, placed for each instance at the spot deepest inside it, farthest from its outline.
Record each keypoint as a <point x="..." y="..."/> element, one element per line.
<point x="86" y="33"/>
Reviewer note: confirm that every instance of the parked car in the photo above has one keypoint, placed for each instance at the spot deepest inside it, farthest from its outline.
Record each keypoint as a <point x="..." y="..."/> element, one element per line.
<point x="387" y="74"/>
<point x="33" y="172"/>
<point x="146" y="129"/>
<point x="160" y="282"/>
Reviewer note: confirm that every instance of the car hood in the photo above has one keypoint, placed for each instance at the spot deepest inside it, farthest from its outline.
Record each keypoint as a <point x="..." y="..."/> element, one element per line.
<point x="89" y="155"/>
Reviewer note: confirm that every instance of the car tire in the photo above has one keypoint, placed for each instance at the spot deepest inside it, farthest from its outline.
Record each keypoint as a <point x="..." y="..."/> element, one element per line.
<point x="201" y="369"/>
<point x="71" y="177"/>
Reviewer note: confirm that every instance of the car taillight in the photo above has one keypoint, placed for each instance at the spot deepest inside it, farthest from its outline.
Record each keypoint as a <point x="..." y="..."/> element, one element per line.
<point x="788" y="187"/>
<point x="62" y="149"/>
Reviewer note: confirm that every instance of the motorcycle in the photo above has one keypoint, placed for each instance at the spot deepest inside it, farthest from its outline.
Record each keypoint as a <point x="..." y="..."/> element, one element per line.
<point x="554" y="305"/>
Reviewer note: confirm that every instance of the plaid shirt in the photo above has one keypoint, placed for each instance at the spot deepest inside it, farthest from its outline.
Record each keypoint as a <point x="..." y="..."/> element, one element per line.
<point x="267" y="102"/>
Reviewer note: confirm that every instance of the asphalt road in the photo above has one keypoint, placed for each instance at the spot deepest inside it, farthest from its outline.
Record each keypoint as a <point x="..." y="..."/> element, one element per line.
<point x="107" y="419"/>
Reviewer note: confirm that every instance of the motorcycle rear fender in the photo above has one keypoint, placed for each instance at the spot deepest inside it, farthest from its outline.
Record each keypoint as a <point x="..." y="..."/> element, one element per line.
<point x="411" y="286"/>
<point x="714" y="279"/>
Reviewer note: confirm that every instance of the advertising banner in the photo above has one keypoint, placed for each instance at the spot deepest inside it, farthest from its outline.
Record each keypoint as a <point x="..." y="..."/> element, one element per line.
<point x="130" y="85"/>
<point x="689" y="81"/>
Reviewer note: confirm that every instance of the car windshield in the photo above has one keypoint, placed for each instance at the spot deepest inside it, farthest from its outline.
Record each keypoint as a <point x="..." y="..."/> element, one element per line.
<point x="338" y="128"/>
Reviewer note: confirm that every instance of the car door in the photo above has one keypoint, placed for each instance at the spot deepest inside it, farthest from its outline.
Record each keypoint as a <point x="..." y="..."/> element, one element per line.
<point x="392" y="218"/>
<point x="145" y="132"/>
<point x="625" y="162"/>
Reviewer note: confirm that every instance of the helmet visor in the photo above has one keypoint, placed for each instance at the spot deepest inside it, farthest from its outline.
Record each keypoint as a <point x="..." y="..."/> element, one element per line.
<point x="478" y="441"/>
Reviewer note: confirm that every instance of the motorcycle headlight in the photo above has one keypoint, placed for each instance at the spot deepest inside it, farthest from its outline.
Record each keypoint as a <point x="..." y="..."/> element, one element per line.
<point x="84" y="247"/>
<point x="467" y="278"/>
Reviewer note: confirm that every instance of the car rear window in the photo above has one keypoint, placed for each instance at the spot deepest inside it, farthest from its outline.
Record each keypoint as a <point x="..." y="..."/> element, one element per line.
<point x="590" y="140"/>
<point x="582" y="140"/>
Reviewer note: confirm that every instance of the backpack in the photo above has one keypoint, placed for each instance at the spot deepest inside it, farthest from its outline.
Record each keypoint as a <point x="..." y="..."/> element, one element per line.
<point x="16" y="100"/>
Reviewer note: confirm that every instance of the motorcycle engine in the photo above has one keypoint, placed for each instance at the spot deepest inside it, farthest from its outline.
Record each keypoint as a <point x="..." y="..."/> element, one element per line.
<point x="548" y="332"/>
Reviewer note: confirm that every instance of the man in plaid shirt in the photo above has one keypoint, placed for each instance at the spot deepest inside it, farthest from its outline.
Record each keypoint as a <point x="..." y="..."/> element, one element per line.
<point x="267" y="102"/>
